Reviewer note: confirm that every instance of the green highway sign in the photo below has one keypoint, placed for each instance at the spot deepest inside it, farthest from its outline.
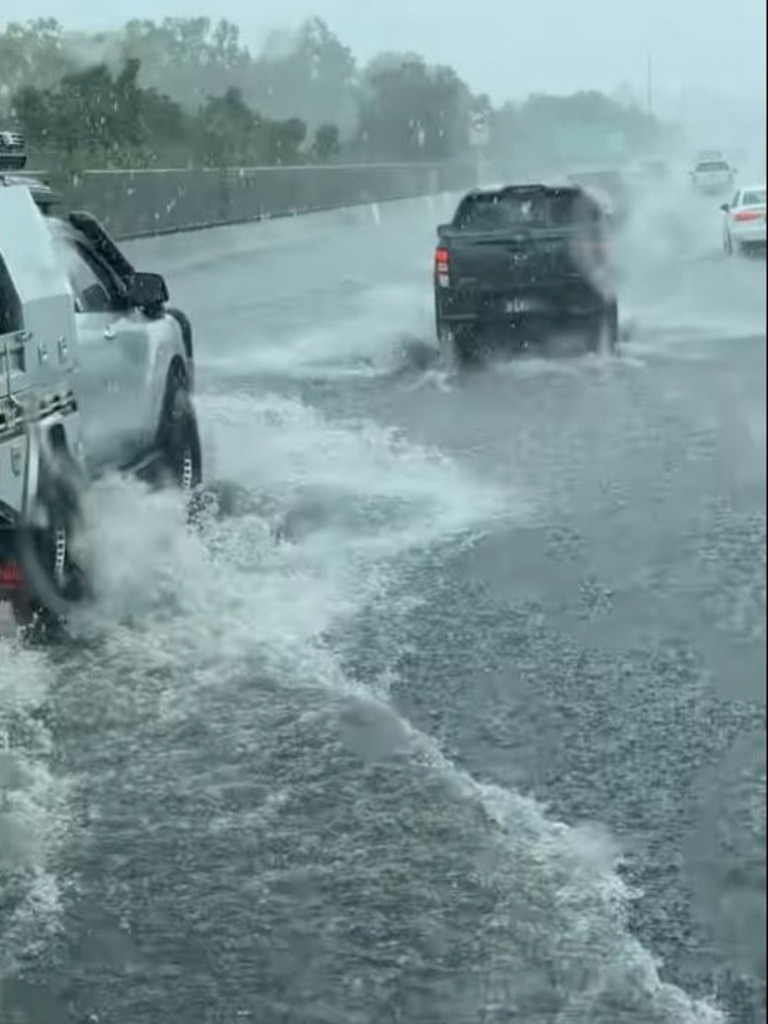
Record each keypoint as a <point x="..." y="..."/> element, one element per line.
<point x="588" y="142"/>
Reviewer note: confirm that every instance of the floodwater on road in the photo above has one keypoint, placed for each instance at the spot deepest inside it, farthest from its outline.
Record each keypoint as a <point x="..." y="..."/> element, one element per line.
<point x="459" y="717"/>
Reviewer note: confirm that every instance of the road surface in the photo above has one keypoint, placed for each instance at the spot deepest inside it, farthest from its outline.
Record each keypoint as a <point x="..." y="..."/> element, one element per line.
<point x="458" y="717"/>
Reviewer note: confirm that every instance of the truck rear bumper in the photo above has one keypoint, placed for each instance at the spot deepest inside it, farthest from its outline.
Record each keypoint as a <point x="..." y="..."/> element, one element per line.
<point x="529" y="304"/>
<point x="517" y="326"/>
<point x="516" y="314"/>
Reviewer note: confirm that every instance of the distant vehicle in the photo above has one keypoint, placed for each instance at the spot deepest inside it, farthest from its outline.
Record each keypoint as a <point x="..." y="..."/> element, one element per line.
<point x="524" y="259"/>
<point x="713" y="177"/>
<point x="13" y="158"/>
<point x="13" y="152"/>
<point x="744" y="220"/>
<point x="709" y="154"/>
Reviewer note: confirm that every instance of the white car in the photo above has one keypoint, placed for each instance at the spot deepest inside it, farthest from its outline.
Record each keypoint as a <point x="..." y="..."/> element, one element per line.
<point x="96" y="374"/>
<point x="713" y="177"/>
<point x="744" y="220"/>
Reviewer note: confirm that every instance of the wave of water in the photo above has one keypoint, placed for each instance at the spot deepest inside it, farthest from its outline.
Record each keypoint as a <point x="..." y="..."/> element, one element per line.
<point x="201" y="606"/>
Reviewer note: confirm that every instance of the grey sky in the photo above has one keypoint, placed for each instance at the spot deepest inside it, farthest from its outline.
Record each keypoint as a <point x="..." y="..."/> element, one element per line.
<point x="505" y="47"/>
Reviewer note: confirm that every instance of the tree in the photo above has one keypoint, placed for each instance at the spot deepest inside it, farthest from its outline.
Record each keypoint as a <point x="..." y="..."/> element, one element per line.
<point x="188" y="59"/>
<point x="168" y="131"/>
<point x="310" y="73"/>
<point x="106" y="118"/>
<point x="326" y="143"/>
<point x="285" y="141"/>
<point x="31" y="55"/>
<point x="409" y="110"/>
<point x="229" y="132"/>
<point x="187" y="90"/>
<point x="34" y="110"/>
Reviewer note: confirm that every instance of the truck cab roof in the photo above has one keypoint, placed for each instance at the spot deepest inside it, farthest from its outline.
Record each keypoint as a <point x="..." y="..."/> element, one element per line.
<point x="44" y="196"/>
<point x="529" y="206"/>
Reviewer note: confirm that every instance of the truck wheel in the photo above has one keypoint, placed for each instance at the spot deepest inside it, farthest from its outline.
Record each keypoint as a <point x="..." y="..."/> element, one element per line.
<point x="178" y="438"/>
<point x="439" y="326"/>
<point x="466" y="344"/>
<point x="445" y="338"/>
<point x="445" y="344"/>
<point x="612" y="332"/>
<point x="458" y="345"/>
<point x="54" y="581"/>
<point x="602" y="332"/>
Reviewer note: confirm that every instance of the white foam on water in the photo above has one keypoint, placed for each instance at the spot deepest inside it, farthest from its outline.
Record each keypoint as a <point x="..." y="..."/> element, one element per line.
<point x="207" y="603"/>
<point x="366" y="341"/>
<point x="367" y="493"/>
<point x="33" y="806"/>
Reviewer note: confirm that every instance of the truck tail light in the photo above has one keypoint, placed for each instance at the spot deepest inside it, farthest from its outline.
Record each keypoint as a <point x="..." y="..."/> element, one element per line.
<point x="591" y="252"/>
<point x="442" y="267"/>
<point x="742" y="215"/>
<point x="10" y="576"/>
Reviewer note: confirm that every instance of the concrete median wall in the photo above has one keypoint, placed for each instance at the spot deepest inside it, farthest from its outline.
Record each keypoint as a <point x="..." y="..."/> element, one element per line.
<point x="133" y="204"/>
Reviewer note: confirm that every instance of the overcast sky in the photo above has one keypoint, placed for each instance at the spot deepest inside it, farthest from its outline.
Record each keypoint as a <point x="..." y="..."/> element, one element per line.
<point x="505" y="47"/>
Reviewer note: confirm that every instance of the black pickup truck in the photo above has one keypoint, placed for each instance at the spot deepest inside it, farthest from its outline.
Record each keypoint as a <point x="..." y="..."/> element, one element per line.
<point x="524" y="262"/>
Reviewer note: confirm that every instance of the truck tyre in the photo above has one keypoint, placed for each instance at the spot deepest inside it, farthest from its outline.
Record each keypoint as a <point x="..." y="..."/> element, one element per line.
<point x="459" y="345"/>
<point x="466" y="340"/>
<point x="446" y="344"/>
<point x="445" y="337"/>
<point x="602" y="330"/>
<point x="178" y="437"/>
<point x="54" y="581"/>
<point x="612" y="328"/>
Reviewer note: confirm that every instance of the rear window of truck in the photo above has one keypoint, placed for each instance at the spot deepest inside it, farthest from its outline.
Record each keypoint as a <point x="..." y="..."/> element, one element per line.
<point x="501" y="211"/>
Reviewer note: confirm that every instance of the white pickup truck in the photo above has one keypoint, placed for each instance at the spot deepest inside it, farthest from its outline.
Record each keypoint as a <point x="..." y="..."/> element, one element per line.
<point x="96" y="374"/>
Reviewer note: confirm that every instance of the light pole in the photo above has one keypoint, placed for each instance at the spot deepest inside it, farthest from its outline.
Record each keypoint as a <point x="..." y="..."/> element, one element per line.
<point x="479" y="137"/>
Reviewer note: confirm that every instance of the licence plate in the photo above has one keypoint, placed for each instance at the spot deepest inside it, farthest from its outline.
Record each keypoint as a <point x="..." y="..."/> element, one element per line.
<point x="519" y="306"/>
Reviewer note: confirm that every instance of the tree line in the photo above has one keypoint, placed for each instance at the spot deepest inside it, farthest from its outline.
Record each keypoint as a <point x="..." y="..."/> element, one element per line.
<point x="188" y="92"/>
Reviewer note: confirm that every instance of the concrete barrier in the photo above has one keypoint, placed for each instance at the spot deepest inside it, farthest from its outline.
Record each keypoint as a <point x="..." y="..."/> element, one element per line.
<point x="134" y="204"/>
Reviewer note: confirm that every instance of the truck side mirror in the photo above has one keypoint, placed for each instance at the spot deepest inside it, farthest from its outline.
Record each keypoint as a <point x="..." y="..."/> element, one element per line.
<point x="146" y="291"/>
